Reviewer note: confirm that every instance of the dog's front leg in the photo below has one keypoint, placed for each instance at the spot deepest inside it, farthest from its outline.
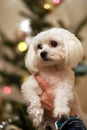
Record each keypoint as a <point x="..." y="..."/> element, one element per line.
<point x="32" y="99"/>
<point x="63" y="96"/>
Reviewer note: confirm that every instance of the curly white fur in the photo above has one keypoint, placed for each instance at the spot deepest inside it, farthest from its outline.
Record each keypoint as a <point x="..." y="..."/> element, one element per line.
<point x="52" y="54"/>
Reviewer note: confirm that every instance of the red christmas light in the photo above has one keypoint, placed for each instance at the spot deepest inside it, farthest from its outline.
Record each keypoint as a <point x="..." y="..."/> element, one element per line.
<point x="7" y="90"/>
<point x="56" y="1"/>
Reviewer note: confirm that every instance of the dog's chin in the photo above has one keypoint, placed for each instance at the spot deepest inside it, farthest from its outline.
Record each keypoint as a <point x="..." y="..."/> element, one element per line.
<point x="46" y="62"/>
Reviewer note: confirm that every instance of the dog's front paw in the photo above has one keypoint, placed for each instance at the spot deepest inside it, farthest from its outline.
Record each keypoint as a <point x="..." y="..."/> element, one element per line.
<point x="59" y="112"/>
<point x="36" y="115"/>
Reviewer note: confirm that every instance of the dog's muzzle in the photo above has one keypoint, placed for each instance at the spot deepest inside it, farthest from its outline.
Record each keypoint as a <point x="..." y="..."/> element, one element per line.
<point x="43" y="55"/>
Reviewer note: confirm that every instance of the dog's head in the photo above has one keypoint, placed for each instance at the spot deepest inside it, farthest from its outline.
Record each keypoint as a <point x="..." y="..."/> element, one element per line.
<point x="55" y="46"/>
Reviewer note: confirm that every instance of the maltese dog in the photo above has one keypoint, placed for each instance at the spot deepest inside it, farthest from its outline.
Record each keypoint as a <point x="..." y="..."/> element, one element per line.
<point x="52" y="54"/>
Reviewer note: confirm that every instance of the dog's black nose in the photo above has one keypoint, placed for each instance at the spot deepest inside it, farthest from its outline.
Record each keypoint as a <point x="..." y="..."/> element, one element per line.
<point x="43" y="54"/>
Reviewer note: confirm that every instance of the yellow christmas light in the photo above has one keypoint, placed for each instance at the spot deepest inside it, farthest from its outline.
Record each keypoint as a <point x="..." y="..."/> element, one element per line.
<point x="47" y="6"/>
<point x="22" y="46"/>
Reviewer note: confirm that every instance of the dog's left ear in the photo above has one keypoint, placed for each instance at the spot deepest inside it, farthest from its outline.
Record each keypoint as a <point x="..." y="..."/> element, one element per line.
<point x="73" y="50"/>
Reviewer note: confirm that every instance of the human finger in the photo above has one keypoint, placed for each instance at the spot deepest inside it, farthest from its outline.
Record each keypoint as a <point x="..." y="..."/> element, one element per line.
<point x="41" y="82"/>
<point x="47" y="100"/>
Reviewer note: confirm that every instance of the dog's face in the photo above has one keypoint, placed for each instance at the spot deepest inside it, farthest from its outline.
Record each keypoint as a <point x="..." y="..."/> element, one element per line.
<point x="55" y="46"/>
<point x="48" y="49"/>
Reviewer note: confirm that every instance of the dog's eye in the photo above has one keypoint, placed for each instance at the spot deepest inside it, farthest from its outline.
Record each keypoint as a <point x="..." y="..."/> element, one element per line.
<point x="53" y="43"/>
<point x="39" y="46"/>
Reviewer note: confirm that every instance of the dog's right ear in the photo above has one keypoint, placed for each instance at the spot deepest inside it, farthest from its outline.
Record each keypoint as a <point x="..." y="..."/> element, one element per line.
<point x="30" y="60"/>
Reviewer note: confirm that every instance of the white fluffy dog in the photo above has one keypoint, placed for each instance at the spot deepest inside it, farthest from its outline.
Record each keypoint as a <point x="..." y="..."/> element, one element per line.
<point x="52" y="54"/>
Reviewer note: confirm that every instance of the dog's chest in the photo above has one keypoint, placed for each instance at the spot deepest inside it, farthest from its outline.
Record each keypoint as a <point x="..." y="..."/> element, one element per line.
<point x="53" y="77"/>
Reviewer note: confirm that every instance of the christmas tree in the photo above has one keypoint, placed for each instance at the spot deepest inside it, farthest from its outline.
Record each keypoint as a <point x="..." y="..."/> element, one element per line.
<point x="12" y="53"/>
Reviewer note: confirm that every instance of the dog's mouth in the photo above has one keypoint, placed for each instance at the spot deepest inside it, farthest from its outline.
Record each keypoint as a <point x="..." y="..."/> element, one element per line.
<point x="46" y="59"/>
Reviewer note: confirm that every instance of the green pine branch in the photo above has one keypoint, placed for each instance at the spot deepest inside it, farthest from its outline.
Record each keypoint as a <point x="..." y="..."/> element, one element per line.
<point x="11" y="78"/>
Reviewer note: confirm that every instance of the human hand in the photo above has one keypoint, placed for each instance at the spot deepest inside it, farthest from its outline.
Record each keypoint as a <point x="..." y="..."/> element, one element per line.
<point x="46" y="98"/>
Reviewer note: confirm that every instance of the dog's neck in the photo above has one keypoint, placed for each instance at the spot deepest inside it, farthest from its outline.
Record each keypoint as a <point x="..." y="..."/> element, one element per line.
<point x="56" y="67"/>
<point x="59" y="67"/>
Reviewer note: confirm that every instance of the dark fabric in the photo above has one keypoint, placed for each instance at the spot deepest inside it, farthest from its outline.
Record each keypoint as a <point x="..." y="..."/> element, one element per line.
<point x="73" y="124"/>
<point x="70" y="123"/>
